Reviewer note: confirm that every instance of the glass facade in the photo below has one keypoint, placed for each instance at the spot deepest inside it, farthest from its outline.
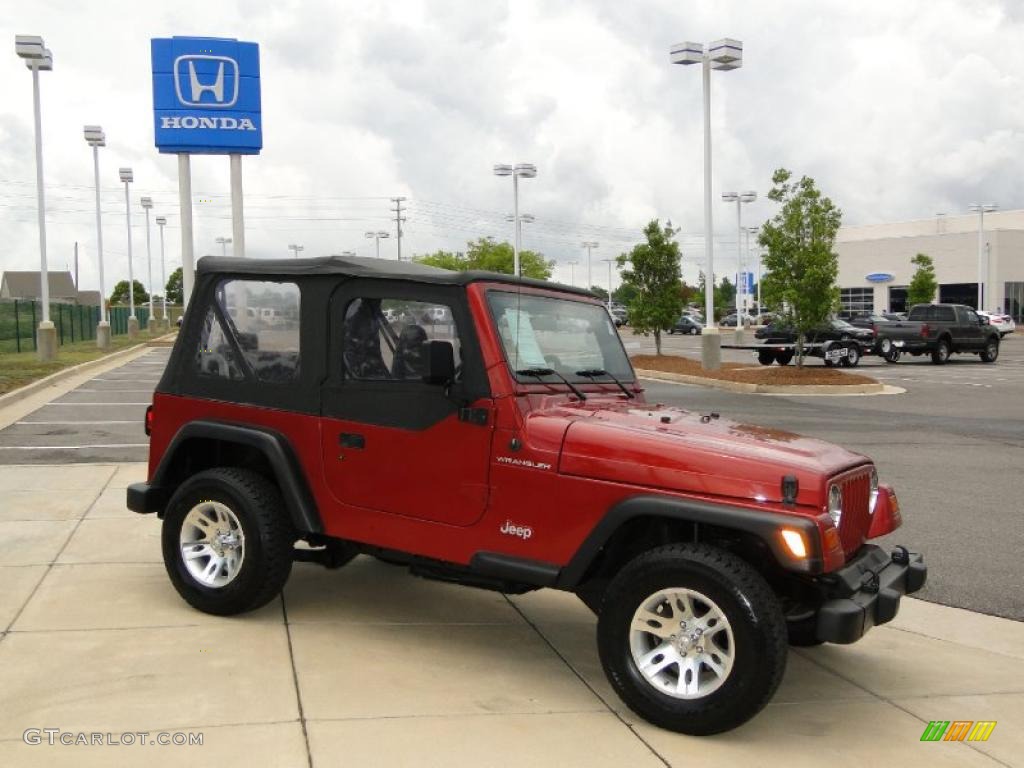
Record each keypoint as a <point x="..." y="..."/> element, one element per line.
<point x="898" y="298"/>
<point x="857" y="299"/>
<point x="1013" y="300"/>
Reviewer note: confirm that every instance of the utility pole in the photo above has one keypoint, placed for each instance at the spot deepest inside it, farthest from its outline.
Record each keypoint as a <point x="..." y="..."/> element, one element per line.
<point x="399" y="218"/>
<point x="76" y="265"/>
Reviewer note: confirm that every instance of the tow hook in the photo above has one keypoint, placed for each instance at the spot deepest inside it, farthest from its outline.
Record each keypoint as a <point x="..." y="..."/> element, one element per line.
<point x="901" y="556"/>
<point x="869" y="582"/>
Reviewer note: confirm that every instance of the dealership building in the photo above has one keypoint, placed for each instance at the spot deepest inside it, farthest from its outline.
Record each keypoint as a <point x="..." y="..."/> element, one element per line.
<point x="875" y="268"/>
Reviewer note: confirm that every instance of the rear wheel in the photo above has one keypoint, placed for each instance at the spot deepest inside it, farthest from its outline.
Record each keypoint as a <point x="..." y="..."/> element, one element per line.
<point x="692" y="638"/>
<point x="991" y="351"/>
<point x="226" y="544"/>
<point x="764" y="357"/>
<point x="852" y="357"/>
<point x="940" y="355"/>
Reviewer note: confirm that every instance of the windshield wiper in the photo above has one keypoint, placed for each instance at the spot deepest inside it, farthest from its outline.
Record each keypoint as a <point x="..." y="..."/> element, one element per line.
<point x="592" y="373"/>
<point x="539" y="372"/>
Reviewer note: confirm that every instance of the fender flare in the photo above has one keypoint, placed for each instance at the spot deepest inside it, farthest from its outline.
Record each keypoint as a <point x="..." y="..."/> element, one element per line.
<point x="763" y="524"/>
<point x="288" y="472"/>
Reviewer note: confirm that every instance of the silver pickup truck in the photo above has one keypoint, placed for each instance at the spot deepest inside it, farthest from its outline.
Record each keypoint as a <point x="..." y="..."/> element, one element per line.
<point x="939" y="330"/>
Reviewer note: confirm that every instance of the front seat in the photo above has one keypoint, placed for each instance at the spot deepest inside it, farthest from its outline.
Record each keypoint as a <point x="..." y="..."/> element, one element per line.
<point x="363" y="359"/>
<point x="410" y="354"/>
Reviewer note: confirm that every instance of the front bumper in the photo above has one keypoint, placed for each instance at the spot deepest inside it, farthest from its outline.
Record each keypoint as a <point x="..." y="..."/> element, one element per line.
<point x="145" y="498"/>
<point x="867" y="591"/>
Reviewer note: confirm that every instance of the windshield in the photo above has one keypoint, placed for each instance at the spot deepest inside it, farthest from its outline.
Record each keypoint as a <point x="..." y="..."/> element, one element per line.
<point x="564" y="335"/>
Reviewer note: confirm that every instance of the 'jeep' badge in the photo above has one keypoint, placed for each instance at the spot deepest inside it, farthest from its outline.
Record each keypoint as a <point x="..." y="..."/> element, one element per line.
<point x="511" y="529"/>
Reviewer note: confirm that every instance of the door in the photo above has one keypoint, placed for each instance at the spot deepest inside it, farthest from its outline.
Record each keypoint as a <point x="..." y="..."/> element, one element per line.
<point x="390" y="441"/>
<point x="970" y="330"/>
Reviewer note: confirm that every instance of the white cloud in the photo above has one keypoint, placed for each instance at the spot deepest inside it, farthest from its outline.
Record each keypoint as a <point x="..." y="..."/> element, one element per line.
<point x="898" y="111"/>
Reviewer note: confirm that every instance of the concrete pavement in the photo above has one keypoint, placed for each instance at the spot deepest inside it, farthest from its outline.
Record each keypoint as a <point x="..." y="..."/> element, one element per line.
<point x="368" y="665"/>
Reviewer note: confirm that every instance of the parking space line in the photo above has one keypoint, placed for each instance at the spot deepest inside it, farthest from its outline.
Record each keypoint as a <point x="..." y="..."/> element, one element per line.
<point x="70" y="447"/>
<point x="105" y="391"/>
<point x="72" y="423"/>
<point x="102" y="405"/>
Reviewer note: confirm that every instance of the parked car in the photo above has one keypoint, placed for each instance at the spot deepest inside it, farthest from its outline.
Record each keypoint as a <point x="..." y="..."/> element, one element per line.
<point x="515" y="456"/>
<point x="863" y="319"/>
<point x="897" y="316"/>
<point x="834" y="330"/>
<point x="620" y="315"/>
<point x="1001" y="322"/>
<point x="729" y="321"/>
<point x="686" y="324"/>
<point x="940" y="330"/>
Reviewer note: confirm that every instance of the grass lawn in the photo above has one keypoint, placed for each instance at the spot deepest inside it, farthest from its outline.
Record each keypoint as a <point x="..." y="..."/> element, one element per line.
<point x="751" y="374"/>
<point x="18" y="369"/>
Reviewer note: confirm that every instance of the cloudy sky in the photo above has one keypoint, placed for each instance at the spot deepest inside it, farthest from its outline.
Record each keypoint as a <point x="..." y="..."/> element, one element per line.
<point x="899" y="110"/>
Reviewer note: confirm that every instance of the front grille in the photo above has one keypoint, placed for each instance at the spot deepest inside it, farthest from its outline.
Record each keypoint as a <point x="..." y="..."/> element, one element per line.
<point x="856" y="520"/>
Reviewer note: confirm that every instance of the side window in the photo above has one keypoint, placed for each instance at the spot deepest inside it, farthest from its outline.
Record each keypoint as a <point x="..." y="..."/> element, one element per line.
<point x="945" y="314"/>
<point x="970" y="317"/>
<point x="386" y="339"/>
<point x="263" y="322"/>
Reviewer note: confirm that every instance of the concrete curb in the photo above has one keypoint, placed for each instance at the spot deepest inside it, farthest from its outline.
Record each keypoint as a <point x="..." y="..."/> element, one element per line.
<point x="767" y="389"/>
<point x="65" y="373"/>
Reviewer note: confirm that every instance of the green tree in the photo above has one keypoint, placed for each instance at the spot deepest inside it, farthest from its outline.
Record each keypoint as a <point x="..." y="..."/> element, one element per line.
<point x="601" y="293"/>
<point x="800" y="265"/>
<point x="120" y="294"/>
<point x="624" y="294"/>
<point x="175" y="288"/>
<point x="725" y="297"/>
<point x="490" y="256"/>
<point x="923" y="284"/>
<point x="653" y="269"/>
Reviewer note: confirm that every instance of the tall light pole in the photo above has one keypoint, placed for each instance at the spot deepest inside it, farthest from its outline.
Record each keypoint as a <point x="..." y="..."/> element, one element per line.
<point x="526" y="171"/>
<point x="610" y="286"/>
<point x="37" y="58"/>
<point x="147" y="206"/>
<point x="981" y="209"/>
<point x="739" y="198"/>
<point x="572" y="272"/>
<point x="95" y="138"/>
<point x="133" y="322"/>
<point x="223" y="243"/>
<point x="589" y="244"/>
<point x="296" y="249"/>
<point x="524" y="218"/>
<point x="722" y="54"/>
<point x="399" y="218"/>
<point x="161" y="221"/>
<point x="379" y="235"/>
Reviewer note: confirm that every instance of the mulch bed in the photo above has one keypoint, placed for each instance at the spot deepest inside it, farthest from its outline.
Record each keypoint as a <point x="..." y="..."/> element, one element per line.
<point x="748" y="374"/>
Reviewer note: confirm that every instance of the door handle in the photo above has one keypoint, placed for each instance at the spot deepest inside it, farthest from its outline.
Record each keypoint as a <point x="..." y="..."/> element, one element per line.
<point x="351" y="440"/>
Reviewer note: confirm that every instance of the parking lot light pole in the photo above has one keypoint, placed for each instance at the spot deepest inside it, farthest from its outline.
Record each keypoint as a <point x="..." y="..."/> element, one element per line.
<point x="95" y="138"/>
<point x="610" y="286"/>
<point x="377" y="237"/>
<point x="526" y="171"/>
<point x="739" y="198"/>
<point x="37" y="58"/>
<point x="590" y="244"/>
<point x="296" y="249"/>
<point x="147" y="206"/>
<point x="161" y="221"/>
<point x="722" y="54"/>
<point x="133" y="322"/>
<point x="981" y="209"/>
<point x="223" y="243"/>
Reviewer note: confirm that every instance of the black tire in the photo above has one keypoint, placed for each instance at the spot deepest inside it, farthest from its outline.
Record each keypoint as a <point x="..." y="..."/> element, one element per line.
<point x="991" y="351"/>
<point x="765" y="357"/>
<point x="751" y="609"/>
<point x="268" y="540"/>
<point x="940" y="355"/>
<point x="852" y="357"/>
<point x="784" y="358"/>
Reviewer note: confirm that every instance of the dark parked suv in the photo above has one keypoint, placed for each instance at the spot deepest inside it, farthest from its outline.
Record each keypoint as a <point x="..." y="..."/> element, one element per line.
<point x="939" y="330"/>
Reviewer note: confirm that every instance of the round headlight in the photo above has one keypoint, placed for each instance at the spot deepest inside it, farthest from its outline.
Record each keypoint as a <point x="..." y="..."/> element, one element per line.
<point x="835" y="504"/>
<point x="873" y="498"/>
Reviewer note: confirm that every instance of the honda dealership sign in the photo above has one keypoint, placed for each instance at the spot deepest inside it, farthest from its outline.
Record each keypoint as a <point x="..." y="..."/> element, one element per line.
<point x="206" y="95"/>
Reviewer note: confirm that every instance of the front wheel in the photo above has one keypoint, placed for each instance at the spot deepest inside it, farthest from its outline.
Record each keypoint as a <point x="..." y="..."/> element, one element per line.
<point x="784" y="358"/>
<point x="692" y="638"/>
<point x="852" y="357"/>
<point x="940" y="355"/>
<point x="226" y="543"/>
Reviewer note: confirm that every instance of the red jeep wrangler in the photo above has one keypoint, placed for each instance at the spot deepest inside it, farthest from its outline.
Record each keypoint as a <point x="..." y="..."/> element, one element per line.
<point x="490" y="431"/>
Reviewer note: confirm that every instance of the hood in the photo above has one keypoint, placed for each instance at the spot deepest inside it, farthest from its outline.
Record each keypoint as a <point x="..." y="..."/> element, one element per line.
<point x="668" y="448"/>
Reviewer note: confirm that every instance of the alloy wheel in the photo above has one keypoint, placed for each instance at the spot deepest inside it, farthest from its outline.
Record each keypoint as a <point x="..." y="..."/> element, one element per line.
<point x="212" y="544"/>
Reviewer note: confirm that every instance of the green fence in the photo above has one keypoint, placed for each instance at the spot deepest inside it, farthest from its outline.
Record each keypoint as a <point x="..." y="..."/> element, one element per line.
<point x="74" y="322"/>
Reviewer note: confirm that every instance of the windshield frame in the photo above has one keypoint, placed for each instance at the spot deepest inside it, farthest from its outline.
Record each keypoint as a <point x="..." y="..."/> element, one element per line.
<point x="547" y="381"/>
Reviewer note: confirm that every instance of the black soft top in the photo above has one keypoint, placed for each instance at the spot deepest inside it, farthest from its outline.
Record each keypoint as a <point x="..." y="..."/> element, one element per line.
<point x="356" y="266"/>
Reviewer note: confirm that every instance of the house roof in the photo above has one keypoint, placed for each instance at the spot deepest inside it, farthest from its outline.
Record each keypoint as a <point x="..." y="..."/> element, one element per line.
<point x="25" y="285"/>
<point x="355" y="266"/>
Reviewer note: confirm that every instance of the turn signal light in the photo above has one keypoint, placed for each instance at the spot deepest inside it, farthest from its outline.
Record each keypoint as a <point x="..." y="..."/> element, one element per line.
<point x="794" y="541"/>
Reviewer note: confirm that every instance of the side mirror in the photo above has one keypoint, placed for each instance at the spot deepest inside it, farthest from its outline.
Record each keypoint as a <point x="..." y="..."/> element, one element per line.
<point x="982" y="320"/>
<point x="440" y="363"/>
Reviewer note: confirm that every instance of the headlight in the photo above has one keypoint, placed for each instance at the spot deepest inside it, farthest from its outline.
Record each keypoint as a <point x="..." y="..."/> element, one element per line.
<point x="835" y="504"/>
<point x="873" y="498"/>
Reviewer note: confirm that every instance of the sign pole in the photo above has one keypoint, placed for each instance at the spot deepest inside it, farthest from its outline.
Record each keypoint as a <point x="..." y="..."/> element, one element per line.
<point x="188" y="274"/>
<point x="237" y="218"/>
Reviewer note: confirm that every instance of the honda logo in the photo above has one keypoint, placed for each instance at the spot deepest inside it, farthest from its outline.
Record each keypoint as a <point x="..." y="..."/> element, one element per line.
<point x="199" y="84"/>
